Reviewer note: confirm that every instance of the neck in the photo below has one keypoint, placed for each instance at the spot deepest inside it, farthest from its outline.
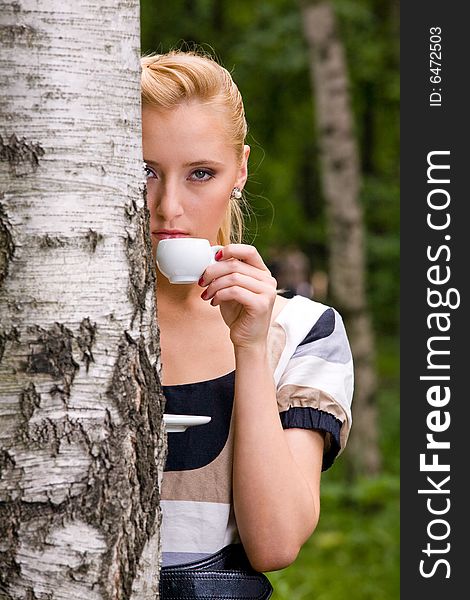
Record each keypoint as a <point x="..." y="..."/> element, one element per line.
<point x="178" y="295"/>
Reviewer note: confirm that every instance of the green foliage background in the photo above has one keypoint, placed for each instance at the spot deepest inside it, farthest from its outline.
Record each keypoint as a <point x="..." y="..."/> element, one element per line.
<point x="354" y="552"/>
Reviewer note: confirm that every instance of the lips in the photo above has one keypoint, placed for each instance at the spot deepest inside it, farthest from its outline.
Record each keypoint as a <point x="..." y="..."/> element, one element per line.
<point x="163" y="234"/>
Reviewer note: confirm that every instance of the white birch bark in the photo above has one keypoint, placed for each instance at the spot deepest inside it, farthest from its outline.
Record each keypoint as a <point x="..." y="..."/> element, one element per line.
<point x="82" y="443"/>
<point x="341" y="182"/>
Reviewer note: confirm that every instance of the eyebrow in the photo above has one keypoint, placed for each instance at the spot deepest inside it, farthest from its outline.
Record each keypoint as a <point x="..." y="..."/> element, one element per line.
<point x="196" y="163"/>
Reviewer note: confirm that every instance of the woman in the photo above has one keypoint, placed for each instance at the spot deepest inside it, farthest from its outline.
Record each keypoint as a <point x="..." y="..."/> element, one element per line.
<point x="275" y="374"/>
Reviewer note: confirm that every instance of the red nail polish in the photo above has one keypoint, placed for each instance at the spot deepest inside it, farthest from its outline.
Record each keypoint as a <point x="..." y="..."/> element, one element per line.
<point x="218" y="256"/>
<point x="204" y="294"/>
<point x="201" y="280"/>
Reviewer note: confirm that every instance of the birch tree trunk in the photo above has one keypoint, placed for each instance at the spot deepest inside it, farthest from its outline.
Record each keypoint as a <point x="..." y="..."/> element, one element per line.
<point x="82" y="443"/>
<point x="341" y="183"/>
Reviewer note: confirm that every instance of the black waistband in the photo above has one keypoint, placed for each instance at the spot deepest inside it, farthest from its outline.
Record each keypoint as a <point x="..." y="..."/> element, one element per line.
<point x="226" y="575"/>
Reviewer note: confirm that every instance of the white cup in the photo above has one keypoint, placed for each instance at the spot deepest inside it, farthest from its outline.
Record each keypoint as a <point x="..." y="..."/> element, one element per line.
<point x="184" y="259"/>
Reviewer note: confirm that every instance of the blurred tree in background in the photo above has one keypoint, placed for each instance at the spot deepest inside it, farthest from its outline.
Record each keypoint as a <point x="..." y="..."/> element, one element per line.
<point x="341" y="185"/>
<point x="355" y="550"/>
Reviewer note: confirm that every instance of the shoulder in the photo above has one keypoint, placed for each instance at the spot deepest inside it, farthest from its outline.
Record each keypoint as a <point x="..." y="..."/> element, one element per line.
<point x="303" y="327"/>
<point x="297" y="316"/>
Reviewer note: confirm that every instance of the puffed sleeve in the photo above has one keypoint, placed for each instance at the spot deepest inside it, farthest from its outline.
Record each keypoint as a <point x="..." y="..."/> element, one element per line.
<point x="315" y="387"/>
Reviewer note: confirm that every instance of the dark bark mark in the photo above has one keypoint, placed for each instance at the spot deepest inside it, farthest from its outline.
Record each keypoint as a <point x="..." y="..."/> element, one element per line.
<point x="78" y="573"/>
<point x="7" y="246"/>
<point x="19" y="153"/>
<point x="10" y="520"/>
<point x="142" y="276"/>
<point x="7" y="468"/>
<point x="55" y="93"/>
<point x="122" y="487"/>
<point x="92" y="238"/>
<point x="48" y="432"/>
<point x="63" y="395"/>
<point x="47" y="241"/>
<point x="4" y="595"/>
<point x="16" y="35"/>
<point x="37" y="518"/>
<point x="51" y="353"/>
<point x="52" y="433"/>
<point x="131" y="210"/>
<point x="8" y="568"/>
<point x="29" y="401"/>
<point x="85" y="341"/>
<point x="6" y="460"/>
<point x="8" y="336"/>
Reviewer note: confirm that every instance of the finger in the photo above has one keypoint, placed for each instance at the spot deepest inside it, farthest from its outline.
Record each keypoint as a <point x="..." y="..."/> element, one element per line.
<point x="238" y="294"/>
<point x="238" y="280"/>
<point x="233" y="265"/>
<point x="245" y="252"/>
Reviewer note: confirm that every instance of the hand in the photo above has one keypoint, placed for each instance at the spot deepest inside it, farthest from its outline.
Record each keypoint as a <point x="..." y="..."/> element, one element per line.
<point x="241" y="284"/>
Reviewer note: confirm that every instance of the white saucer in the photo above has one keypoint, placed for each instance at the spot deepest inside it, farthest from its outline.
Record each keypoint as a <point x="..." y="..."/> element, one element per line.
<point x="175" y="423"/>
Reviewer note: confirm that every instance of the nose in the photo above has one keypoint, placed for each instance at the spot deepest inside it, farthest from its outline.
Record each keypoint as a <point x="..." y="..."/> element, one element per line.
<point x="165" y="200"/>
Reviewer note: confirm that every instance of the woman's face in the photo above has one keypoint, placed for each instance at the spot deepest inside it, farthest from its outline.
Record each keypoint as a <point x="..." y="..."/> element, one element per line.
<point x="191" y="170"/>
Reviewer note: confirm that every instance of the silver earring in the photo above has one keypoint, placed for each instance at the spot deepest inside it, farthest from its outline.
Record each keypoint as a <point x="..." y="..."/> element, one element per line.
<point x="236" y="194"/>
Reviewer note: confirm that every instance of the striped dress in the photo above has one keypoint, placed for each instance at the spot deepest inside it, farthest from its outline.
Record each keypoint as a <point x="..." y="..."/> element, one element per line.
<point x="312" y="368"/>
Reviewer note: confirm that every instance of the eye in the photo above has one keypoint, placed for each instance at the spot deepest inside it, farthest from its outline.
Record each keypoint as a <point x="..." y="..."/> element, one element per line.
<point x="149" y="172"/>
<point x="201" y="175"/>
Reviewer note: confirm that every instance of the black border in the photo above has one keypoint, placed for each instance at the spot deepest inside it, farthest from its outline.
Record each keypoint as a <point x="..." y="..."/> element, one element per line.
<point x="425" y="128"/>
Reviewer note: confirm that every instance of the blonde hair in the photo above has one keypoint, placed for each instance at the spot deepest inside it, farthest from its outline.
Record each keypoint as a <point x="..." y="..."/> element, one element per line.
<point x="171" y="79"/>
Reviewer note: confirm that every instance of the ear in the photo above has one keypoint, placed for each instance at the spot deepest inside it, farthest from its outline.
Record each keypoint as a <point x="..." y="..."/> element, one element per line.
<point x="243" y="169"/>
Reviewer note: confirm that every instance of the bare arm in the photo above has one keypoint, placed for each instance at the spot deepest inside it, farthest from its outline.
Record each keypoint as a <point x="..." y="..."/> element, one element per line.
<point x="276" y="473"/>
